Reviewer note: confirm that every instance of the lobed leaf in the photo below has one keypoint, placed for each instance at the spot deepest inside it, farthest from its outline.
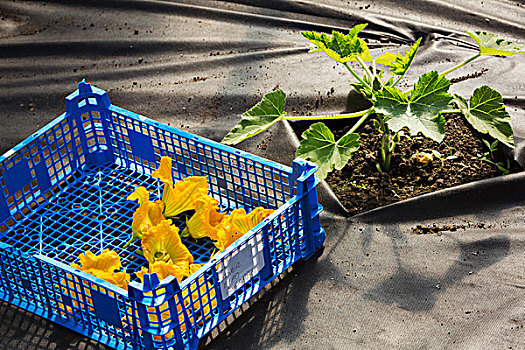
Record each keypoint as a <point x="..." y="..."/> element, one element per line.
<point x="340" y="47"/>
<point x="487" y="114"/>
<point x="399" y="63"/>
<point x="319" y="146"/>
<point x="420" y="112"/>
<point x="490" y="44"/>
<point x="260" y="117"/>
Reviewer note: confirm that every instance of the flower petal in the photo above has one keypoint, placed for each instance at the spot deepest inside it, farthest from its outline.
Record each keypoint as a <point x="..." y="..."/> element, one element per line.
<point x="145" y="217"/>
<point x="103" y="266"/>
<point x="141" y="221"/>
<point x="108" y="261"/>
<point x="237" y="224"/>
<point x="180" y="198"/>
<point x="162" y="242"/>
<point x="163" y="173"/>
<point x="194" y="268"/>
<point x="155" y="212"/>
<point x="164" y="269"/>
<point x="141" y="194"/>
<point x="205" y="220"/>
<point x="259" y="214"/>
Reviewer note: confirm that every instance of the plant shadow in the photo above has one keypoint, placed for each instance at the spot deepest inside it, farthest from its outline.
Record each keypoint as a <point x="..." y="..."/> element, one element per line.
<point x="414" y="292"/>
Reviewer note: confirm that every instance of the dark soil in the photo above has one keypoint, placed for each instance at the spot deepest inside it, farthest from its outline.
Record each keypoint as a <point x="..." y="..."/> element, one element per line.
<point x="438" y="229"/>
<point x="361" y="187"/>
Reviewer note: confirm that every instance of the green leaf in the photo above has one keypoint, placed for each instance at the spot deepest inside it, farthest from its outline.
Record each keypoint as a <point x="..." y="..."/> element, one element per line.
<point x="490" y="44"/>
<point x="318" y="145"/>
<point x="340" y="47"/>
<point x="420" y="112"/>
<point x="487" y="114"/>
<point x="259" y="118"/>
<point x="386" y="58"/>
<point x="399" y="63"/>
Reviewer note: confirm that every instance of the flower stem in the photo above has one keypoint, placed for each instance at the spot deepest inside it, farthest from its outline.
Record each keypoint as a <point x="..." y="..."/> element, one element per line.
<point x="374" y="67"/>
<point x="460" y="65"/>
<point x="325" y="117"/>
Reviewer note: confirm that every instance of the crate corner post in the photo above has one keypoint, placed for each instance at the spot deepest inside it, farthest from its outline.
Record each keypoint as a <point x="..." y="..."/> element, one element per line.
<point x="88" y="111"/>
<point x="304" y="177"/>
<point x="153" y="300"/>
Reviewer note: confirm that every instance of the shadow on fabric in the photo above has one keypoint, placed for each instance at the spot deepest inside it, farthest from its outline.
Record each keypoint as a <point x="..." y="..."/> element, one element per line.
<point x="415" y="292"/>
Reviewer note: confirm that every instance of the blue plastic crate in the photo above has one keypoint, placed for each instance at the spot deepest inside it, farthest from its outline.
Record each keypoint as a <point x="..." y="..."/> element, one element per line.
<point x="63" y="191"/>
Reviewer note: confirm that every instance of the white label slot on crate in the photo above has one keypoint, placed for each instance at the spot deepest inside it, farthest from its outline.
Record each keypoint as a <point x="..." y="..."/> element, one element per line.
<point x="240" y="267"/>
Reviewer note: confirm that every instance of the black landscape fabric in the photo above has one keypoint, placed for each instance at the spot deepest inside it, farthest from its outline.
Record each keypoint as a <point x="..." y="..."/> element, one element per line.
<point x="455" y="282"/>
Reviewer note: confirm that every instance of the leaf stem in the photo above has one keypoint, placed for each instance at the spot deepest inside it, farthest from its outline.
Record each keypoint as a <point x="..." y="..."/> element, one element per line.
<point x="401" y="77"/>
<point x="460" y="65"/>
<point x="450" y="111"/>
<point x="374" y="67"/>
<point x="329" y="117"/>
<point x="356" y="76"/>
<point x="363" y="64"/>
<point x="398" y="79"/>
<point x="360" y="121"/>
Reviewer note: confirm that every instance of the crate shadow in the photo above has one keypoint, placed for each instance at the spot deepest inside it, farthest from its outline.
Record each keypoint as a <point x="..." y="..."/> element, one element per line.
<point x="21" y="329"/>
<point x="268" y="317"/>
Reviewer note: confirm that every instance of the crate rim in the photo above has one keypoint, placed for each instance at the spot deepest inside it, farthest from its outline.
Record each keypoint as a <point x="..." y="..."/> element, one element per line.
<point x="7" y="154"/>
<point x="191" y="136"/>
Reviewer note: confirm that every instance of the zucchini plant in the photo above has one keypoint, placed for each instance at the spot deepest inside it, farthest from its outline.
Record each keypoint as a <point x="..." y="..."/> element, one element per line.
<point x="418" y="109"/>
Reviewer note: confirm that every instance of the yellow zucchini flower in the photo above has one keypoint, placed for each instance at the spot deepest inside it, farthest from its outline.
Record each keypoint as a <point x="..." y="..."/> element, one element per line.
<point x="162" y="243"/>
<point x="237" y="224"/>
<point x="103" y="266"/>
<point x="164" y="269"/>
<point x="147" y="215"/>
<point x="206" y="218"/>
<point x="178" y="197"/>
